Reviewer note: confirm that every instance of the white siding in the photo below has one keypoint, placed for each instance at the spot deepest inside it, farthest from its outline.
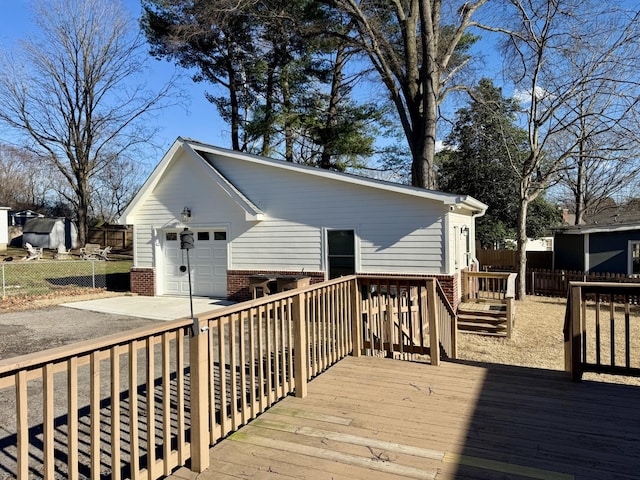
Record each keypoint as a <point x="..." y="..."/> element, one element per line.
<point x="186" y="182"/>
<point x="396" y="233"/>
<point x="4" y="228"/>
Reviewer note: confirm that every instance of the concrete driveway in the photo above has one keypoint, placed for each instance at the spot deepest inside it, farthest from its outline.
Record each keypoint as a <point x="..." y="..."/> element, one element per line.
<point x="154" y="308"/>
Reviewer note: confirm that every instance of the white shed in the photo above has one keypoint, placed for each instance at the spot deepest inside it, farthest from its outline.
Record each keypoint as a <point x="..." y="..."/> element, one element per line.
<point x="4" y="228"/>
<point x="254" y="215"/>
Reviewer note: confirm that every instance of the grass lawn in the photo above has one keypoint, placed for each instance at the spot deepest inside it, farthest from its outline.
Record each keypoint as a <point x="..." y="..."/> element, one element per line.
<point x="47" y="275"/>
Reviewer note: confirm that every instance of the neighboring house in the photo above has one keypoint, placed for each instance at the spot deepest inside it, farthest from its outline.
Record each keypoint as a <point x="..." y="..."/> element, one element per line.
<point x="50" y="233"/>
<point x="544" y="244"/>
<point x="4" y="228"/>
<point x="18" y="219"/>
<point x="599" y="248"/>
<point x="253" y="215"/>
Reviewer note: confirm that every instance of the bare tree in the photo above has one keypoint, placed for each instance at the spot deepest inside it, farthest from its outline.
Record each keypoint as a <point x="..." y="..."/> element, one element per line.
<point x="418" y="48"/>
<point x="25" y="184"/>
<point x="558" y="50"/>
<point x="605" y="162"/>
<point x="77" y="92"/>
<point x="114" y="188"/>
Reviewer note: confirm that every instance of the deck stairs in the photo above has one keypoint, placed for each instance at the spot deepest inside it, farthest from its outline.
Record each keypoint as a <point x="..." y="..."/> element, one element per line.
<point x="485" y="318"/>
<point x="487" y="306"/>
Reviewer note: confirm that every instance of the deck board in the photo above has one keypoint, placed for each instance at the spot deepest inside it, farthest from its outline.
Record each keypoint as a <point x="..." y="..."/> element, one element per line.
<point x="371" y="418"/>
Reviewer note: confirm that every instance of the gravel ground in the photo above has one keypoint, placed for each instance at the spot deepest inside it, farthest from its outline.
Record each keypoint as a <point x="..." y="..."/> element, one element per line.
<point x="26" y="330"/>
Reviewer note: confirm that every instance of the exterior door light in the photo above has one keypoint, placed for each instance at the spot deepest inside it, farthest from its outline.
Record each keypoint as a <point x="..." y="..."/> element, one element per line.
<point x="186" y="215"/>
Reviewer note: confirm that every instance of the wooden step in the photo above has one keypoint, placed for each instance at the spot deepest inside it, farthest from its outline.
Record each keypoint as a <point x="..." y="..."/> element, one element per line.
<point x="492" y="312"/>
<point x="467" y="317"/>
<point x="477" y="326"/>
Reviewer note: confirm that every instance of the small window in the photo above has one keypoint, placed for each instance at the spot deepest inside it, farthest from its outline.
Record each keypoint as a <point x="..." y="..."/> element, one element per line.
<point x="203" y="236"/>
<point x="219" y="235"/>
<point x="171" y="236"/>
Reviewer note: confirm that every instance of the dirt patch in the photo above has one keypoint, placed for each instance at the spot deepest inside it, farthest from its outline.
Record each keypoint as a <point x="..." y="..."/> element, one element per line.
<point x="537" y="340"/>
<point x="20" y="303"/>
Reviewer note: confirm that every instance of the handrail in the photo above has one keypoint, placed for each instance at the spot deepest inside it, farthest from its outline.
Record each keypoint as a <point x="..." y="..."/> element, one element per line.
<point x="448" y="323"/>
<point x="597" y="330"/>
<point x="173" y="393"/>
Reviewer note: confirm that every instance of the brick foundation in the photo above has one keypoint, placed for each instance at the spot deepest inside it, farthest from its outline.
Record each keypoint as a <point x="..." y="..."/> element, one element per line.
<point x="143" y="281"/>
<point x="238" y="281"/>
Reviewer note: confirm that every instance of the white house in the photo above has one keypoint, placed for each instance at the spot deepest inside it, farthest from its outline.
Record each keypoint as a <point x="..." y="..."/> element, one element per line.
<point x="4" y="228"/>
<point x="253" y="215"/>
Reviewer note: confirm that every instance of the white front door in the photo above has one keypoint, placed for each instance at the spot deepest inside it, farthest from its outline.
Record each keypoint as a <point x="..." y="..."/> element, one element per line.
<point x="208" y="262"/>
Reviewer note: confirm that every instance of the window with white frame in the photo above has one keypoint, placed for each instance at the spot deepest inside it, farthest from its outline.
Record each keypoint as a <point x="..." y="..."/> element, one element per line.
<point x="634" y="257"/>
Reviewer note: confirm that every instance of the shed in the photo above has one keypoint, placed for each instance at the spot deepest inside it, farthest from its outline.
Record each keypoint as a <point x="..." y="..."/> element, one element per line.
<point x="4" y="228"/>
<point x="50" y="233"/>
<point x="610" y="248"/>
<point x="252" y="215"/>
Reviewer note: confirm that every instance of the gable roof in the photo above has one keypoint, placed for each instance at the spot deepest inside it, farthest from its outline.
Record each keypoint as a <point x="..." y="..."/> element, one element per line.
<point x="595" y="228"/>
<point x="40" y="225"/>
<point x="200" y="151"/>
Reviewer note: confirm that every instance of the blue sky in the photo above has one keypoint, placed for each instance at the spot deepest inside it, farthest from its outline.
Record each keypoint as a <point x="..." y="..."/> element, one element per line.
<point x="198" y="120"/>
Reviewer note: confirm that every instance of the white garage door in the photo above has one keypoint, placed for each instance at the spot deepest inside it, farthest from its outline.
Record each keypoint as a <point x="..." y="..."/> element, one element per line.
<point x="208" y="261"/>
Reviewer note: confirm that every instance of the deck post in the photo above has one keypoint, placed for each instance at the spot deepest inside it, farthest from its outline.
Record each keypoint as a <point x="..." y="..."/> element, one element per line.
<point x="199" y="369"/>
<point x="356" y="319"/>
<point x="434" y="323"/>
<point x="301" y="358"/>
<point x="576" y="333"/>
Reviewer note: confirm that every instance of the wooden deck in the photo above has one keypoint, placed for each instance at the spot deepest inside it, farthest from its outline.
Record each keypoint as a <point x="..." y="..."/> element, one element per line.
<point x="372" y="418"/>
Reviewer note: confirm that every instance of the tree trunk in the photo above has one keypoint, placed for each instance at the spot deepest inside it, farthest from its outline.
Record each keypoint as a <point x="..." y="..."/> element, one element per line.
<point x="288" y="129"/>
<point x="580" y="184"/>
<point x="521" y="253"/>
<point x="268" y="113"/>
<point x="235" y="108"/>
<point x="332" y="112"/>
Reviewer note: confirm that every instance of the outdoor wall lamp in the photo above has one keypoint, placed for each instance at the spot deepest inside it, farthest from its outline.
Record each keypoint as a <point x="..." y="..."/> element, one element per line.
<point x="186" y="215"/>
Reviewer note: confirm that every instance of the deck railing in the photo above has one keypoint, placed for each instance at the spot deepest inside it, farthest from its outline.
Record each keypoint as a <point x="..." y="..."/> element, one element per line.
<point x="139" y="404"/>
<point x="422" y="318"/>
<point x="602" y="329"/>
<point x="488" y="286"/>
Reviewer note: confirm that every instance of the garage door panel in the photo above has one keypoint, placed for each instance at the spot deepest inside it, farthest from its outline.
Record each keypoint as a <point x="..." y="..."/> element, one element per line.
<point x="208" y="261"/>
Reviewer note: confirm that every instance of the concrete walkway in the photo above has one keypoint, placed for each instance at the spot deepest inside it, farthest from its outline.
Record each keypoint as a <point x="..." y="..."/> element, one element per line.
<point x="155" y="308"/>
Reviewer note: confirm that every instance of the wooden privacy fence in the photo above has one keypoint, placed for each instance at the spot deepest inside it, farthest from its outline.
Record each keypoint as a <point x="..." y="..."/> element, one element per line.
<point x="116" y="238"/>
<point x="138" y="404"/>
<point x="602" y="329"/>
<point x="506" y="259"/>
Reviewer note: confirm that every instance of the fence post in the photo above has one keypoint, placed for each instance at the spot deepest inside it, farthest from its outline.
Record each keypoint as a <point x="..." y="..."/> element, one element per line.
<point x="434" y="323"/>
<point x="301" y="356"/>
<point x="356" y="319"/>
<point x="3" y="287"/>
<point x="199" y="370"/>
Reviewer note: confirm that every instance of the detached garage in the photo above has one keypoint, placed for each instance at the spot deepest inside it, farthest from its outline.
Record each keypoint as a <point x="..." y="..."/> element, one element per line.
<point x="255" y="217"/>
<point x="208" y="258"/>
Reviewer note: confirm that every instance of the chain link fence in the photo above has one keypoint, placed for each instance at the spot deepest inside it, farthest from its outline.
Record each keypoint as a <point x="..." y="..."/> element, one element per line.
<point x="42" y="276"/>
